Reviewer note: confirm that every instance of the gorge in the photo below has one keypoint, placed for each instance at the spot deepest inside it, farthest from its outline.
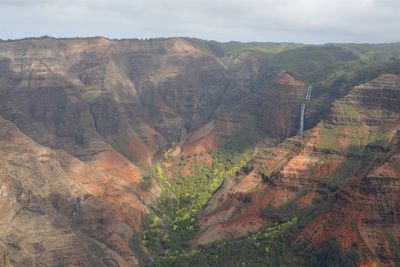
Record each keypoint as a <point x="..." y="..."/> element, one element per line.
<point x="185" y="152"/>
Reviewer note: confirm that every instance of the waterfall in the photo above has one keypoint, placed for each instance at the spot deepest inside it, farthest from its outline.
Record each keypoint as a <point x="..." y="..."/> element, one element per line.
<point x="308" y="95"/>
<point x="301" y="128"/>
<point x="303" y="108"/>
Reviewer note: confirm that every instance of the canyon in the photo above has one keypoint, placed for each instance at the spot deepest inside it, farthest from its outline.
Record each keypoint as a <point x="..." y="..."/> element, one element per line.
<point x="152" y="152"/>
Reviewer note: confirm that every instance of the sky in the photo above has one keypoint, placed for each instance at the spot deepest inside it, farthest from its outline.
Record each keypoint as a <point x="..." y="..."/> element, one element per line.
<point x="305" y="21"/>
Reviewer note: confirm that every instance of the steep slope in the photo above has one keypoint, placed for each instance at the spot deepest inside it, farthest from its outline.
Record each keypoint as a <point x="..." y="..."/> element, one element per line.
<point x="273" y="112"/>
<point x="193" y="143"/>
<point x="294" y="178"/>
<point x="79" y="94"/>
<point x="57" y="210"/>
<point x="282" y="106"/>
<point x="367" y="203"/>
<point x="368" y="212"/>
<point x="91" y="99"/>
<point x="140" y="96"/>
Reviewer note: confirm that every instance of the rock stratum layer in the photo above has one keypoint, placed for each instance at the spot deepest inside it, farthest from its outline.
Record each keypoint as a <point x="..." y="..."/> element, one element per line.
<point x="59" y="211"/>
<point x="84" y="124"/>
<point x="79" y="115"/>
<point x="349" y="161"/>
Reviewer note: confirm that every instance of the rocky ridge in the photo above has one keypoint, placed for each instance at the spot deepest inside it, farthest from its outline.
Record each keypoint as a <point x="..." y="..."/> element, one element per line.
<point x="358" y="144"/>
<point x="85" y="118"/>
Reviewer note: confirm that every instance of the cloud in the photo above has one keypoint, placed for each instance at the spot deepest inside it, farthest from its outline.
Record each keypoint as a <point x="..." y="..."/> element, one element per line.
<point x="309" y="21"/>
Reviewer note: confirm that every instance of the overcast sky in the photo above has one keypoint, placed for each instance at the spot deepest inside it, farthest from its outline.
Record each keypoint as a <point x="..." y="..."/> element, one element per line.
<point x="307" y="21"/>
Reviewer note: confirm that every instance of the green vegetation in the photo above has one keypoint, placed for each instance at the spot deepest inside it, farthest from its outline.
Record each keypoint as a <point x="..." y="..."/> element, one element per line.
<point x="355" y="138"/>
<point x="274" y="246"/>
<point x="146" y="182"/>
<point x="394" y="245"/>
<point x="374" y="51"/>
<point x="308" y="63"/>
<point x="356" y="157"/>
<point x="232" y="48"/>
<point x="331" y="70"/>
<point x="169" y="233"/>
<point x="171" y="229"/>
<point x="396" y="164"/>
<point x="350" y="111"/>
<point x="330" y="254"/>
<point x="140" y="251"/>
<point x="334" y="82"/>
<point x="122" y="145"/>
<point x="271" y="247"/>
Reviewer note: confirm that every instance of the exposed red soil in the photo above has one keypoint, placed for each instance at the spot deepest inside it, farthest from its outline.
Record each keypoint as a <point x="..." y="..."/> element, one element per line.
<point x="250" y="195"/>
<point x="139" y="150"/>
<point x="306" y="200"/>
<point x="115" y="164"/>
<point x="204" y="140"/>
<point x="362" y="200"/>
<point x="113" y="190"/>
<point x="197" y="149"/>
<point x="327" y="168"/>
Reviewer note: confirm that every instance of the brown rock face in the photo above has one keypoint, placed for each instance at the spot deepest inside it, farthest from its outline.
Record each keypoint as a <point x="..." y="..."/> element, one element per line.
<point x="56" y="210"/>
<point x="79" y="114"/>
<point x="364" y="210"/>
<point x="281" y="108"/>
<point x="82" y="95"/>
<point x="78" y="95"/>
<point x="236" y="209"/>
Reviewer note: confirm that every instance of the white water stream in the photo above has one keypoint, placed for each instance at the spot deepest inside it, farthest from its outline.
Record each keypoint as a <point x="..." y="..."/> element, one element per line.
<point x="301" y="128"/>
<point x="303" y="109"/>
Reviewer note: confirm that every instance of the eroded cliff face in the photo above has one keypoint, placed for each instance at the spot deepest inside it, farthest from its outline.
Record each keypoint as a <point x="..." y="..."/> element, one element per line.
<point x="83" y="119"/>
<point x="281" y="108"/>
<point x="137" y="96"/>
<point x="81" y="95"/>
<point x="365" y="214"/>
<point x="244" y="117"/>
<point x="352" y="155"/>
<point x="82" y="113"/>
<point x="364" y="211"/>
<point x="58" y="210"/>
